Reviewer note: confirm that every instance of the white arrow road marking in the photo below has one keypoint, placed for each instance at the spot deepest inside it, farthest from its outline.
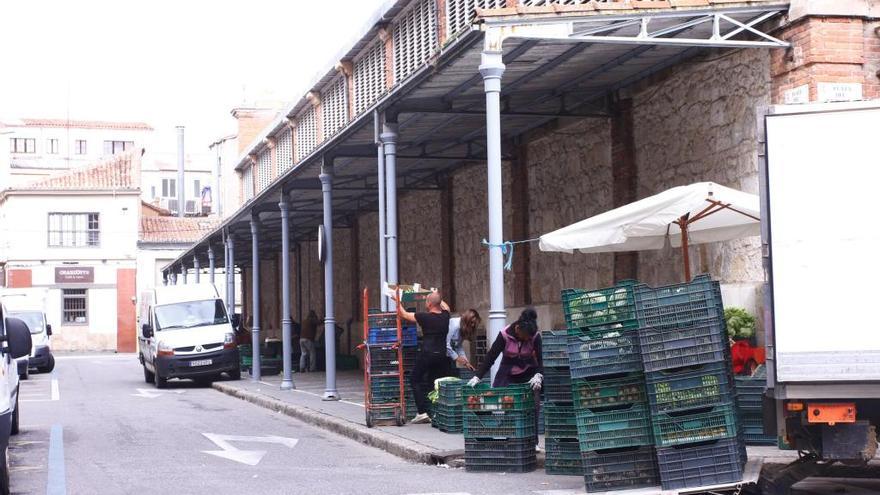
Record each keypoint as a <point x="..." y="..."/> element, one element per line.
<point x="152" y="394"/>
<point x="249" y="457"/>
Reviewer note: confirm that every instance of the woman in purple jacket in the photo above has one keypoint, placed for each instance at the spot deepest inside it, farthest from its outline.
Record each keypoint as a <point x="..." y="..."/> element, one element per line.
<point x="519" y="345"/>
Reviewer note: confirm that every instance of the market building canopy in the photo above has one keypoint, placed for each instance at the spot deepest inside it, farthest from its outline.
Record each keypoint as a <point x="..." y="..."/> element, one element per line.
<point x="709" y="212"/>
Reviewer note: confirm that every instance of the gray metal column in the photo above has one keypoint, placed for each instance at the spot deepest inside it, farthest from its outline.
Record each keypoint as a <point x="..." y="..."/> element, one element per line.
<point x="389" y="142"/>
<point x="173" y="278"/>
<point x="492" y="68"/>
<point x="164" y="278"/>
<point x="230" y="275"/>
<point x="211" y="264"/>
<point x="197" y="268"/>
<point x="383" y="269"/>
<point x="183" y="273"/>
<point x="255" y="306"/>
<point x="326" y="177"/>
<point x="286" y="337"/>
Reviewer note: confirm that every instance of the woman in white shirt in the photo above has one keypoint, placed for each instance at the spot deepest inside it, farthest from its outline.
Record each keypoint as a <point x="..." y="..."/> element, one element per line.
<point x="461" y="328"/>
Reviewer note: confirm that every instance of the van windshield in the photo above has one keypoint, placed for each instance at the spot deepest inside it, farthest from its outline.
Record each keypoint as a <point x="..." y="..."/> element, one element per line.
<point x="190" y="314"/>
<point x="34" y="320"/>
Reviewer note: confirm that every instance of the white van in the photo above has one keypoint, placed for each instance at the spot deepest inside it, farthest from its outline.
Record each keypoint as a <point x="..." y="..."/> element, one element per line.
<point x="186" y="333"/>
<point x="29" y="305"/>
<point x="15" y="343"/>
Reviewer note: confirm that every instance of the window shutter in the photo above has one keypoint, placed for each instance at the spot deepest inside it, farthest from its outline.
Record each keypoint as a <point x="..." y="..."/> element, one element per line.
<point x="369" y="76"/>
<point x="306" y="133"/>
<point x="334" y="107"/>
<point x="284" y="151"/>
<point x="248" y="179"/>
<point x="415" y="38"/>
<point x="461" y="13"/>
<point x="264" y="169"/>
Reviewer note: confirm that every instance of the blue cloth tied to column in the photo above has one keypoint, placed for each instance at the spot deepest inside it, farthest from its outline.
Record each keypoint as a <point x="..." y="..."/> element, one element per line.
<point x="507" y="250"/>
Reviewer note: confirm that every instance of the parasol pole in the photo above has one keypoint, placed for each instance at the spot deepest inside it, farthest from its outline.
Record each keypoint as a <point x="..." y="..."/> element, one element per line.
<point x="685" y="252"/>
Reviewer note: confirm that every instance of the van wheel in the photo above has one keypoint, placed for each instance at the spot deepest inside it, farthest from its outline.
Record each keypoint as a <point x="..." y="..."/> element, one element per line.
<point x="4" y="473"/>
<point x="50" y="366"/>
<point x="159" y="381"/>
<point x="148" y="375"/>
<point x="15" y="415"/>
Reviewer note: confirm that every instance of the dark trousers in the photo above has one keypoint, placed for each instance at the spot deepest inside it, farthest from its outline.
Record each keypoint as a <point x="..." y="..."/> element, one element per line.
<point x="429" y="367"/>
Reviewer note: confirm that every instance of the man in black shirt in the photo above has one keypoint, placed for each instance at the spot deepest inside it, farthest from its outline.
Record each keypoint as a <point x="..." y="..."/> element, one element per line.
<point x="431" y="362"/>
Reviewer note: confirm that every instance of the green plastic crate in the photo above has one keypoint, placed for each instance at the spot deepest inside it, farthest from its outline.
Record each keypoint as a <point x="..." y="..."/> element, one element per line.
<point x="672" y="429"/>
<point x="600" y="309"/>
<point x="600" y="353"/>
<point x="689" y="388"/>
<point x="602" y="429"/>
<point x="559" y="422"/>
<point x="563" y="457"/>
<point x="591" y="393"/>
<point x="620" y="469"/>
<point x="483" y="397"/>
<point x="499" y="425"/>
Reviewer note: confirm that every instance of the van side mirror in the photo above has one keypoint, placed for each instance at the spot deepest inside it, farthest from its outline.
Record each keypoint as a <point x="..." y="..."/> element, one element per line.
<point x="18" y="337"/>
<point x="146" y="330"/>
<point x="236" y="321"/>
<point x="48" y="329"/>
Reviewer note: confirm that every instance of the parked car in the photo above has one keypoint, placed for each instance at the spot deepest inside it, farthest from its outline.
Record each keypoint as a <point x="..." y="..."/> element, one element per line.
<point x="15" y="343"/>
<point x="186" y="333"/>
<point x="29" y="305"/>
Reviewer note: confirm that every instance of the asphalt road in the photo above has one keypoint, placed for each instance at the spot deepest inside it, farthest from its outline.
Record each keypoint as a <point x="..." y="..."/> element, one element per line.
<point x="94" y="427"/>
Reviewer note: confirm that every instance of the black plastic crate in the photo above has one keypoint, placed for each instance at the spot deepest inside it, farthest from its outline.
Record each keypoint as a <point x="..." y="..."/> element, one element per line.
<point x="600" y="309"/>
<point x="499" y="425"/>
<point x="608" y="392"/>
<point x="560" y="421"/>
<point x="554" y="348"/>
<point x="689" y="388"/>
<point x="563" y="456"/>
<point x="700" y="465"/>
<point x="610" y="352"/>
<point x="510" y="456"/>
<point x="629" y="426"/>
<point x="620" y="469"/>
<point x="683" y="346"/>
<point x="557" y="385"/>
<point x="672" y="306"/>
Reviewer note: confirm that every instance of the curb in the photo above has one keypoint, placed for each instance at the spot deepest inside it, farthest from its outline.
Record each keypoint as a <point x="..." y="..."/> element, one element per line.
<point x="400" y="447"/>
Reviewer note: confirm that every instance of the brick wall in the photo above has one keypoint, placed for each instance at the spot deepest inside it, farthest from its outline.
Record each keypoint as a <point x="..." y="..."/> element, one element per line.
<point x="251" y="122"/>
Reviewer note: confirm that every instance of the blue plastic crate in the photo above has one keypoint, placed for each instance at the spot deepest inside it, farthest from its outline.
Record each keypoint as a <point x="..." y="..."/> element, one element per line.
<point x="609" y="352"/>
<point x="620" y="469"/>
<point x="388" y="335"/>
<point x="679" y="347"/>
<point x="554" y="348"/>
<point x="706" y="464"/>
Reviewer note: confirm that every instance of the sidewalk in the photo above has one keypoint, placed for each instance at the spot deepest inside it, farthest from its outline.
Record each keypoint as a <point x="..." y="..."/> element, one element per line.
<point x="416" y="443"/>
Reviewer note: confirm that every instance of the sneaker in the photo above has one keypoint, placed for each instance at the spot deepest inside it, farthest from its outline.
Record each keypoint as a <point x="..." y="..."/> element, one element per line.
<point x="420" y="418"/>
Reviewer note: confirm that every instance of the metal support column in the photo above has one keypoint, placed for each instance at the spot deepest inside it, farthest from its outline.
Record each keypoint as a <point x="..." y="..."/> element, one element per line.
<point x="286" y="327"/>
<point x="183" y="273"/>
<point x="492" y="68"/>
<point x="326" y="177"/>
<point x="230" y="277"/>
<point x="389" y="143"/>
<point x="255" y="306"/>
<point x="211" y="264"/>
<point x="197" y="269"/>
<point x="383" y="270"/>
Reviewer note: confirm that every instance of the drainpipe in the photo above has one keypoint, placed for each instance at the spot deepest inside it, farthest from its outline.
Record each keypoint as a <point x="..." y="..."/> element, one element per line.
<point x="380" y="161"/>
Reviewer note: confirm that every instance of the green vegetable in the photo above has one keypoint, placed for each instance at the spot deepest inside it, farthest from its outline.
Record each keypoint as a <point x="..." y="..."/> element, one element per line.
<point x="740" y="324"/>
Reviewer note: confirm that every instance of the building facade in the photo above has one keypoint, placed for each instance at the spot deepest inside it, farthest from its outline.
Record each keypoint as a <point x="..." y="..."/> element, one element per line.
<point x="76" y="235"/>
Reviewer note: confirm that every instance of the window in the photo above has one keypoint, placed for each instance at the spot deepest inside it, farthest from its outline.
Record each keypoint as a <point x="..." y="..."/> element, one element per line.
<point x="113" y="147"/>
<point x="169" y="188"/>
<point x="197" y="188"/>
<point x="74" y="309"/>
<point x="81" y="147"/>
<point x="52" y="146"/>
<point x="152" y="191"/>
<point x="74" y="230"/>
<point x="22" y="145"/>
<point x="190" y="314"/>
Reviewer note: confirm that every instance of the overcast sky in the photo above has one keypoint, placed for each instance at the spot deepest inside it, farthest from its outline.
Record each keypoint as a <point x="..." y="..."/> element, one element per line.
<point x="167" y="62"/>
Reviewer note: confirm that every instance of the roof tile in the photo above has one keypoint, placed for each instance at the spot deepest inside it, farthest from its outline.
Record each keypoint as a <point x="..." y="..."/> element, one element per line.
<point x="175" y="230"/>
<point x="86" y="124"/>
<point x="120" y="171"/>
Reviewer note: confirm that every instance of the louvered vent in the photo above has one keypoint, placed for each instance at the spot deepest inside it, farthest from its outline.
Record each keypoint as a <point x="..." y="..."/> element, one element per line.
<point x="415" y="38"/>
<point x="369" y="77"/>
<point x="334" y="107"/>
<point x="306" y="133"/>
<point x="284" y="151"/>
<point x="248" y="179"/>
<point x="538" y="3"/>
<point x="264" y="169"/>
<point x="460" y="13"/>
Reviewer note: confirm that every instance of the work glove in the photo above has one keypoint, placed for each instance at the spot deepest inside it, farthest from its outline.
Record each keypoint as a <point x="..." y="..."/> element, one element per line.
<point x="473" y="382"/>
<point x="536" y="381"/>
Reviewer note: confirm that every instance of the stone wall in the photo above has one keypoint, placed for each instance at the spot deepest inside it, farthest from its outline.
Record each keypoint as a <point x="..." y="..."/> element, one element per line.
<point x="419" y="246"/>
<point x="368" y="255"/>
<point x="698" y="123"/>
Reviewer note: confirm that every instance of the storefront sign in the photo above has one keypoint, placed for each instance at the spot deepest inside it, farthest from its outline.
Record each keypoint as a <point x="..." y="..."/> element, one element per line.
<point x="74" y="275"/>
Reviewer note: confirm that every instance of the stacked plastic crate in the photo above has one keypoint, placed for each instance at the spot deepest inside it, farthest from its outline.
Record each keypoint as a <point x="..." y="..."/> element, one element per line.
<point x="749" y="405"/>
<point x="690" y="385"/>
<point x="384" y="366"/>
<point x="447" y="410"/>
<point x="563" y="455"/>
<point x="499" y="428"/>
<point x="608" y="389"/>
